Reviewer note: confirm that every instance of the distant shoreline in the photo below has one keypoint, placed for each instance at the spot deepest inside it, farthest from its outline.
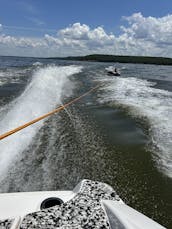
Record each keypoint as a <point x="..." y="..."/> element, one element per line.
<point x="110" y="58"/>
<point x="122" y="59"/>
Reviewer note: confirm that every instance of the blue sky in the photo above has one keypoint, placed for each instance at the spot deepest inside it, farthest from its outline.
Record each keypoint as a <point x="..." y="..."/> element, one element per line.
<point x="33" y="19"/>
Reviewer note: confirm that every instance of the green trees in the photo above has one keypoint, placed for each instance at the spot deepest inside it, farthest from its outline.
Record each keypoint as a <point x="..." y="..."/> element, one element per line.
<point x="123" y="59"/>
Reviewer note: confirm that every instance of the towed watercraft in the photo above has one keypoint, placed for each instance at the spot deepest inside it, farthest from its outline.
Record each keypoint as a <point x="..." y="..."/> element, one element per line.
<point x="112" y="71"/>
<point x="91" y="204"/>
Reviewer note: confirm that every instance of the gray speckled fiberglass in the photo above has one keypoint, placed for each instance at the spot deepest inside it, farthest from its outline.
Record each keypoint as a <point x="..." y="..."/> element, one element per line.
<point x="85" y="210"/>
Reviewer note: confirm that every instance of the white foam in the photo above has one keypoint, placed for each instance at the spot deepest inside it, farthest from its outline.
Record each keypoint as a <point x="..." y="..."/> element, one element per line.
<point x="3" y="78"/>
<point x="12" y="76"/>
<point x="145" y="101"/>
<point x="43" y="94"/>
<point x="110" y="68"/>
<point x="37" y="63"/>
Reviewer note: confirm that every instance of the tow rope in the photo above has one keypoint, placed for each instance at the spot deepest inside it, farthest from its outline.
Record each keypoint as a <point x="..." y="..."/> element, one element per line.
<point x="60" y="108"/>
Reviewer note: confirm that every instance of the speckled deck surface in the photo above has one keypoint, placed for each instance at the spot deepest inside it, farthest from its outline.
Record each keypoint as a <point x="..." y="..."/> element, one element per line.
<point x="83" y="211"/>
<point x="6" y="224"/>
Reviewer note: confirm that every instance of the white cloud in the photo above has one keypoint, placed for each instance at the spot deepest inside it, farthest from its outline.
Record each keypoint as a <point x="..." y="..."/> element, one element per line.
<point x="76" y="31"/>
<point x="152" y="35"/>
<point x="21" y="42"/>
<point x="142" y="36"/>
<point x="158" y="30"/>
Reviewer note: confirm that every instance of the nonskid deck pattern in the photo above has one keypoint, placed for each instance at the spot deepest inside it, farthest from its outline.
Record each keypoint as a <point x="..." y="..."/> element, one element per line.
<point x="6" y="224"/>
<point x="83" y="211"/>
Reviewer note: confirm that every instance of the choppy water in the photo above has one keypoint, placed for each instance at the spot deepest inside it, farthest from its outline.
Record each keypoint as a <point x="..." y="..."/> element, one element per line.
<point x="120" y="134"/>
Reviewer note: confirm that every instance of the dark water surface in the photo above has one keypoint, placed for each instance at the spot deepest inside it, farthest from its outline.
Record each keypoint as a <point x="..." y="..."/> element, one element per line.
<point x="121" y="134"/>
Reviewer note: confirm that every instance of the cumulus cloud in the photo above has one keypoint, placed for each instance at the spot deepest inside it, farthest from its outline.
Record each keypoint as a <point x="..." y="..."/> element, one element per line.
<point x="152" y="34"/>
<point x="157" y="30"/>
<point x="83" y="32"/>
<point x="21" y="42"/>
<point x="142" y="36"/>
<point x="76" y="31"/>
<point x="80" y="39"/>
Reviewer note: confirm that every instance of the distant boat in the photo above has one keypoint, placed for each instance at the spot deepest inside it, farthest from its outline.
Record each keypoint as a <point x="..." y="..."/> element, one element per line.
<point x="112" y="71"/>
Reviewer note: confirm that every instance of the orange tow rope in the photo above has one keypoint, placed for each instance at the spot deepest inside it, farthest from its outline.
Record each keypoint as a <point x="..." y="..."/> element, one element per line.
<point x="62" y="107"/>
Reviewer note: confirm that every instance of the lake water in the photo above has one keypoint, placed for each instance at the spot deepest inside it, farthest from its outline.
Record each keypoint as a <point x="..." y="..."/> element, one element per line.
<point x="120" y="134"/>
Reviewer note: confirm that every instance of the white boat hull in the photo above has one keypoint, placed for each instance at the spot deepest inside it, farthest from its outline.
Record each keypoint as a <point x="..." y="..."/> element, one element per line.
<point x="91" y="204"/>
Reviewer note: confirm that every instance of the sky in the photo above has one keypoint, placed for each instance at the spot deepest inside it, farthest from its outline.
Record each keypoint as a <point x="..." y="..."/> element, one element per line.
<point x="42" y="28"/>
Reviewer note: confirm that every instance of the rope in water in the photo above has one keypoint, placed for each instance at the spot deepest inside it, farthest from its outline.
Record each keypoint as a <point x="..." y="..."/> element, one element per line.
<point x="60" y="108"/>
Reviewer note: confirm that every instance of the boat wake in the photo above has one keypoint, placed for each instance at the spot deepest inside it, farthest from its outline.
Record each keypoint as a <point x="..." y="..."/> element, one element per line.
<point x="146" y="102"/>
<point x="43" y="93"/>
